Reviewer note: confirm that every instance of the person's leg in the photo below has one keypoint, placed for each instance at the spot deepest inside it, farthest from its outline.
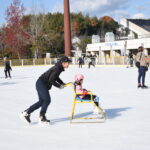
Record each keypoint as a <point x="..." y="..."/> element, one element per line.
<point x="9" y="73"/>
<point x="143" y="76"/>
<point x="139" y="76"/>
<point x="41" y="88"/>
<point x="131" y="62"/>
<point x="79" y="65"/>
<point x="89" y="65"/>
<point x="34" y="107"/>
<point x="46" y="101"/>
<point x="128" y="61"/>
<point x="87" y="97"/>
<point x="96" y="100"/>
<point x="93" y="64"/>
<point x="37" y="105"/>
<point x="5" y="73"/>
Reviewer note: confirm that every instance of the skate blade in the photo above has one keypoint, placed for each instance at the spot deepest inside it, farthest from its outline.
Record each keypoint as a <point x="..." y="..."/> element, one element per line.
<point x="98" y="115"/>
<point x="43" y="122"/>
<point x="23" y="119"/>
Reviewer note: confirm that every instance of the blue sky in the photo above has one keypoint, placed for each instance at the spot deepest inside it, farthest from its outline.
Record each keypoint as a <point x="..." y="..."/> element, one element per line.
<point x="113" y="8"/>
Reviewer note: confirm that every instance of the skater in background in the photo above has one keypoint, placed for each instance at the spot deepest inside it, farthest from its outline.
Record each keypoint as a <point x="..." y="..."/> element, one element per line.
<point x="131" y="59"/>
<point x="90" y="61"/>
<point x="84" y="93"/>
<point x="43" y="85"/>
<point x="141" y="58"/>
<point x="80" y="60"/>
<point x="7" y="68"/>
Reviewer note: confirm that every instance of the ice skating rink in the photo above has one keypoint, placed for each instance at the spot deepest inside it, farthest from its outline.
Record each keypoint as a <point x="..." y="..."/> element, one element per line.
<point x="127" y="109"/>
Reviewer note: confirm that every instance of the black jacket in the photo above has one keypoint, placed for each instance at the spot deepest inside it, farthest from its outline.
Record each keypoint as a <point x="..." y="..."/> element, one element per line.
<point x="80" y="60"/>
<point x="51" y="77"/>
<point x="7" y="65"/>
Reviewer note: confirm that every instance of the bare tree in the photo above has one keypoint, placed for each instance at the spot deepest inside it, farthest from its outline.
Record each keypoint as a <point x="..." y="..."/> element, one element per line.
<point x="36" y="26"/>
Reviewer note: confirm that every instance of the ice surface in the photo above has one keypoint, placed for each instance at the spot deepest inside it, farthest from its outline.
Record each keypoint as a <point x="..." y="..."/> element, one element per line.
<point x="127" y="109"/>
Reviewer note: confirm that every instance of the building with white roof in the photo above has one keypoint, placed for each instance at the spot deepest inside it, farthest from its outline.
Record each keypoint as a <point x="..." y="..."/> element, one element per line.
<point x="139" y="35"/>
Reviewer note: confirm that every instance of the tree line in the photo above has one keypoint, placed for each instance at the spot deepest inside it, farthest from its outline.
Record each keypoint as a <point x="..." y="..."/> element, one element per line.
<point x="28" y="36"/>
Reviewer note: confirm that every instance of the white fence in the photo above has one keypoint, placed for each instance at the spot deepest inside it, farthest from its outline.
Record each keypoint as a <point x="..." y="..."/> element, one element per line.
<point x="115" y="60"/>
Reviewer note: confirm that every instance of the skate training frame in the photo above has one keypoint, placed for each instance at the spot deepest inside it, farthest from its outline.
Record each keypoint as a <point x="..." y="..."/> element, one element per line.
<point x="77" y="100"/>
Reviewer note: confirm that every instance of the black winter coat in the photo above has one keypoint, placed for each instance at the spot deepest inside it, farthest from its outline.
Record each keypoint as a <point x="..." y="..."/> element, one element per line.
<point x="51" y="77"/>
<point x="7" y="65"/>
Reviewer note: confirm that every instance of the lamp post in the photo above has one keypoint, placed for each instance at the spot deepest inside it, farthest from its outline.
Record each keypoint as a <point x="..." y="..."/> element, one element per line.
<point x="67" y="28"/>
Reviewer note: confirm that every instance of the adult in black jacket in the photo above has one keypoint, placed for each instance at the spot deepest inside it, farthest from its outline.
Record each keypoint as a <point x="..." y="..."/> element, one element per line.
<point x="43" y="85"/>
<point x="7" y="68"/>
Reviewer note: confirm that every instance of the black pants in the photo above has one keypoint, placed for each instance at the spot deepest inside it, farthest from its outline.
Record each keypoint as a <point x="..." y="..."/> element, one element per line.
<point x="131" y="62"/>
<point x="88" y="96"/>
<point x="80" y="65"/>
<point x="7" y="71"/>
<point x="142" y="73"/>
<point x="44" y="98"/>
<point x="90" y="63"/>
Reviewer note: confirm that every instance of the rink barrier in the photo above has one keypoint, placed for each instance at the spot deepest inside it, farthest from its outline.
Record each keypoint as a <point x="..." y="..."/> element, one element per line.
<point x="102" y="61"/>
<point x="75" y="66"/>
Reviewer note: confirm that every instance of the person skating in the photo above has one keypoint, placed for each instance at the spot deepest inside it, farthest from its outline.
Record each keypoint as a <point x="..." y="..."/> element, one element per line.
<point x="43" y="85"/>
<point x="90" y="62"/>
<point x="141" y="58"/>
<point x="130" y="59"/>
<point x="7" y="68"/>
<point x="80" y="60"/>
<point x="84" y="93"/>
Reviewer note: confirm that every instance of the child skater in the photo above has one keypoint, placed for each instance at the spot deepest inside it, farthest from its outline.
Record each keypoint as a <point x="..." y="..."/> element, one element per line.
<point x="84" y="93"/>
<point x="43" y="85"/>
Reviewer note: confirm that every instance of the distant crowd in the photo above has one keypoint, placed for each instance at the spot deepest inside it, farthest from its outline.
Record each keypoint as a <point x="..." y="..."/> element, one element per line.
<point x="90" y="59"/>
<point x="140" y="61"/>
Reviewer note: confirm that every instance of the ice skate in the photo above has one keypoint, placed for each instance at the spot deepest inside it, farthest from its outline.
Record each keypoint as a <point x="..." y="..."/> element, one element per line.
<point x="144" y="87"/>
<point x="43" y="120"/>
<point x="139" y="86"/>
<point x="25" y="117"/>
<point x="96" y="111"/>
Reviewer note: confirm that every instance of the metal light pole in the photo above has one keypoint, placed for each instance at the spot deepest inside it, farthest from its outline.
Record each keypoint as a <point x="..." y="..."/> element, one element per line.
<point x="67" y="28"/>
